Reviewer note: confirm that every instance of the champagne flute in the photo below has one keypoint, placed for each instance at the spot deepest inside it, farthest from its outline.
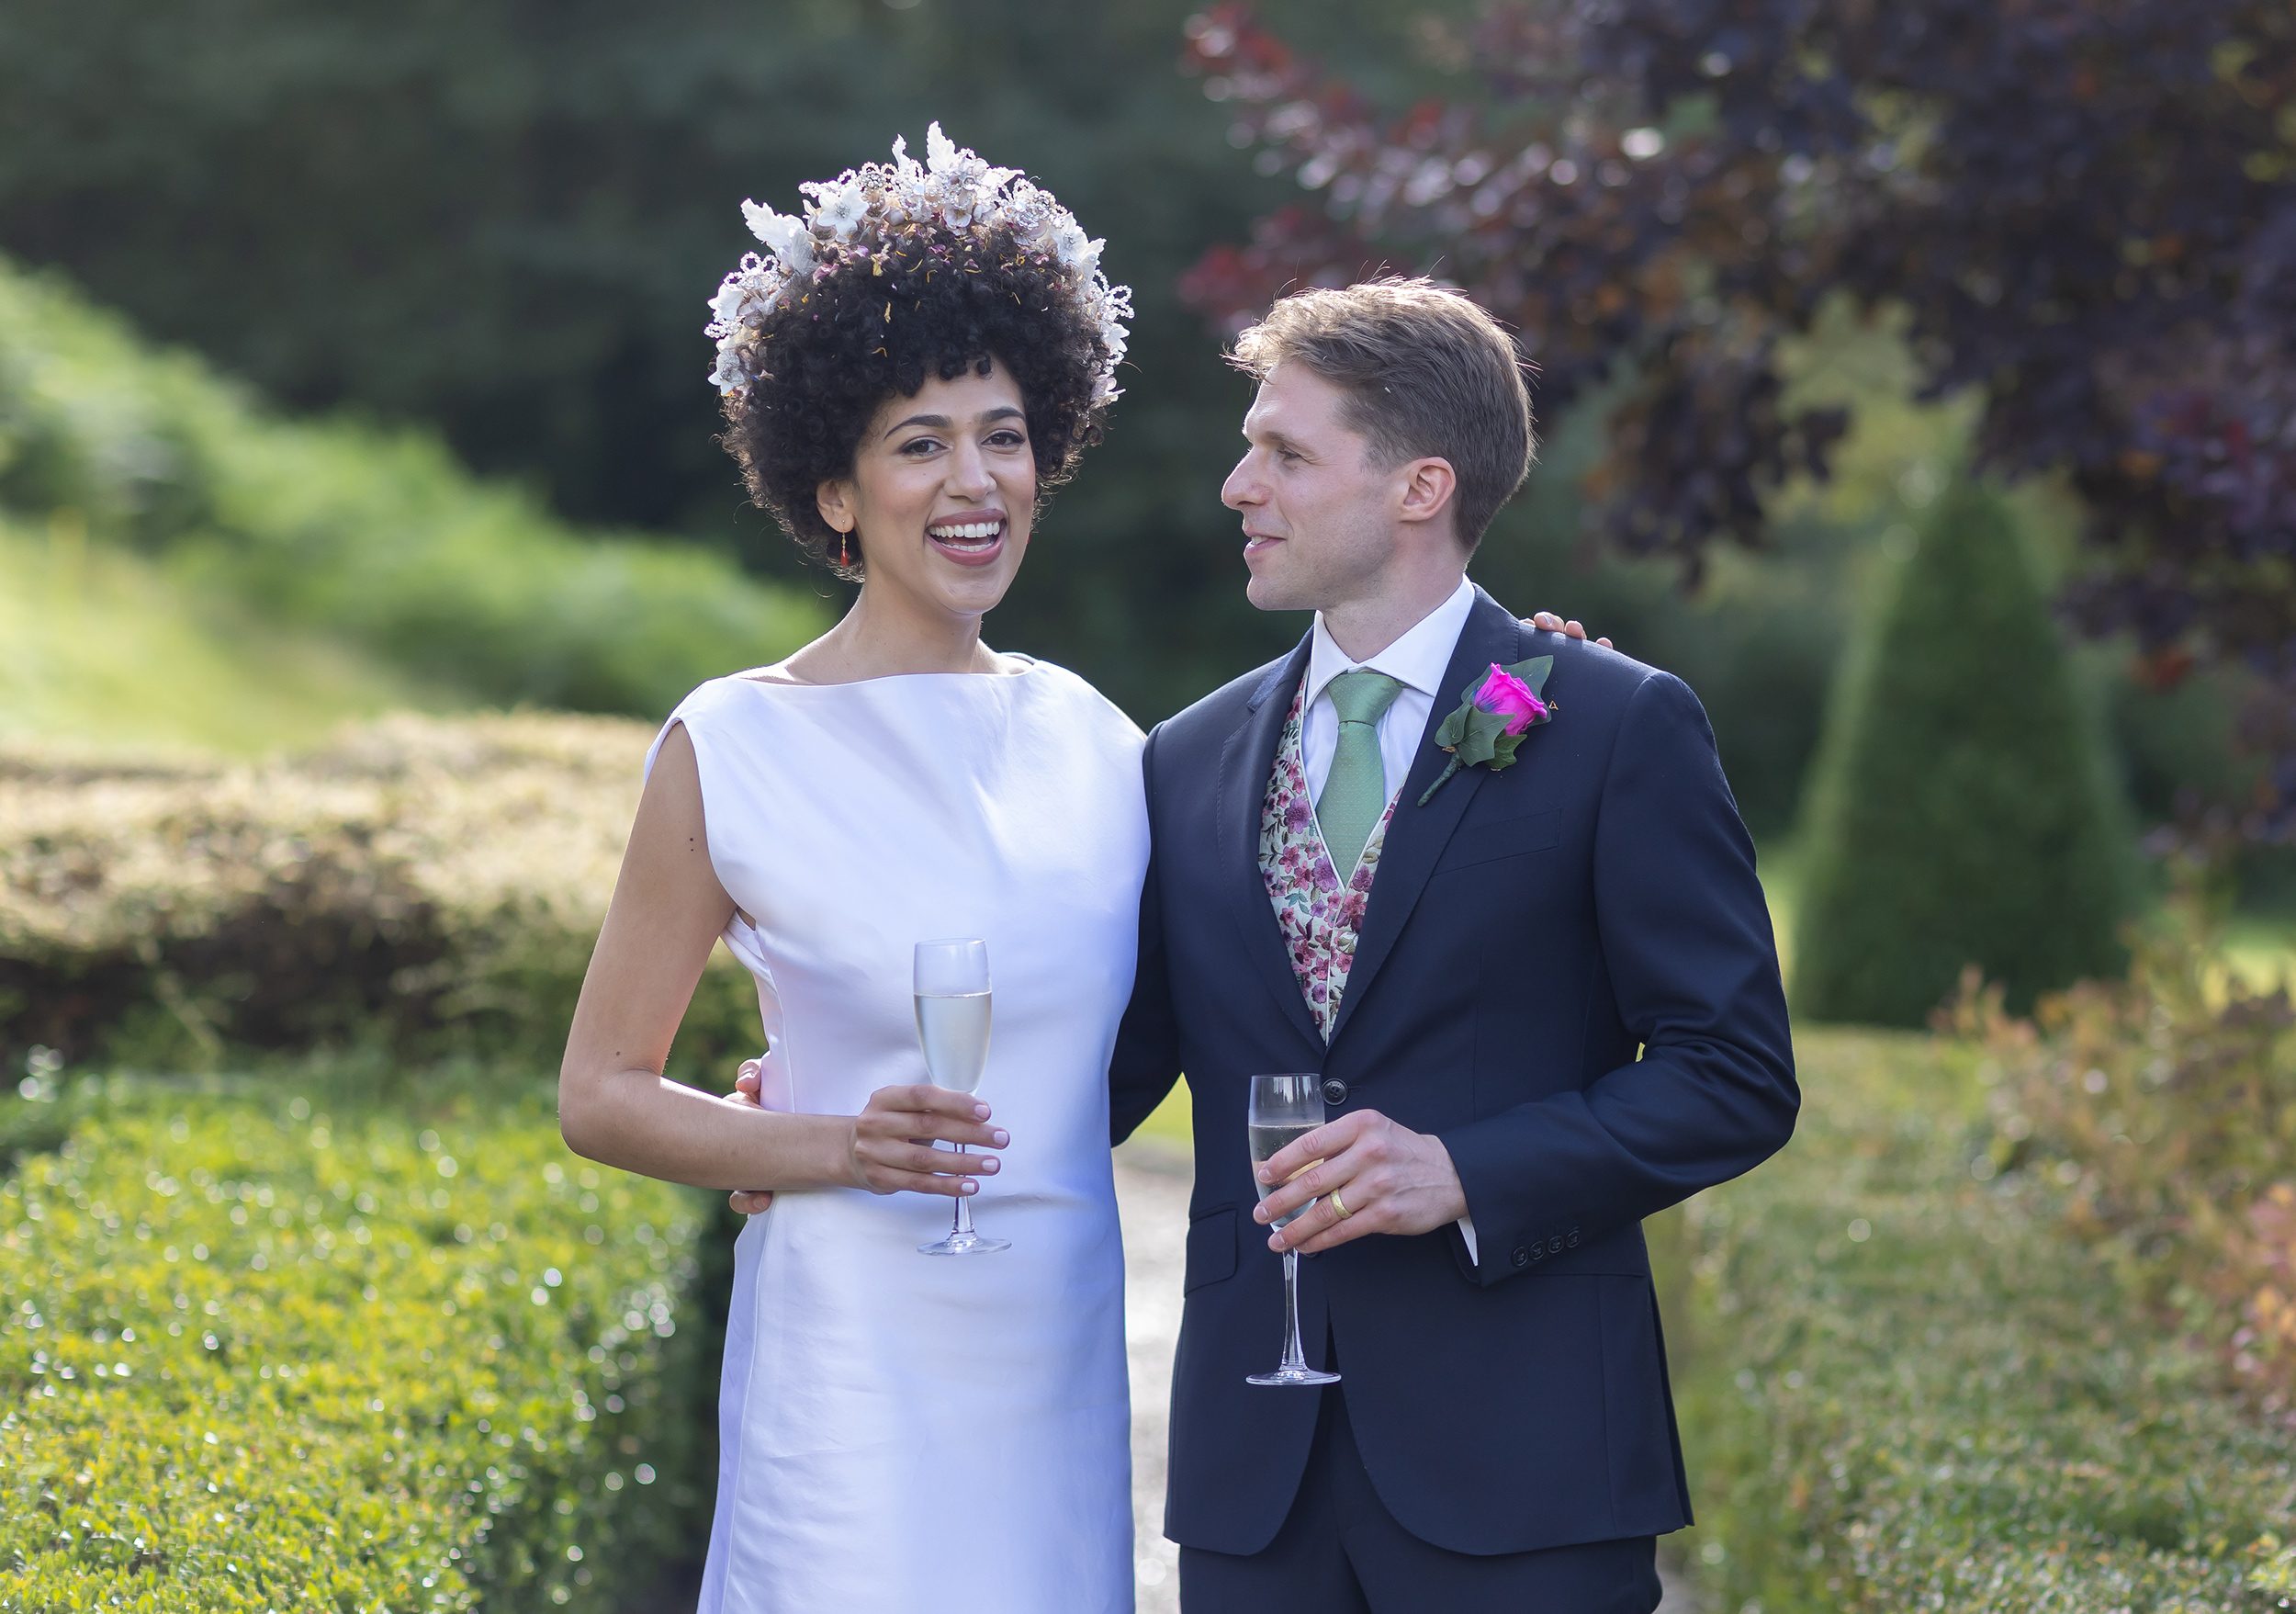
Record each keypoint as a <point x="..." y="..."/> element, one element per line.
<point x="1283" y="1109"/>
<point x="952" y="1028"/>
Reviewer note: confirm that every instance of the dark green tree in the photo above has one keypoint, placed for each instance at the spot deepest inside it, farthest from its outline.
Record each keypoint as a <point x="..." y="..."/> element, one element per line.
<point x="1960" y="809"/>
<point x="504" y="217"/>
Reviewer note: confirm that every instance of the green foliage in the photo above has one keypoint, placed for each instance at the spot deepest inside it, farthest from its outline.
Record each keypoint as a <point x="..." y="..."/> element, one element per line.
<point x="1961" y="813"/>
<point x="1905" y="1388"/>
<point x="2163" y="1109"/>
<point x="105" y="647"/>
<point x="508" y="226"/>
<point x="422" y="884"/>
<point x="376" y="539"/>
<point x="265" y="1354"/>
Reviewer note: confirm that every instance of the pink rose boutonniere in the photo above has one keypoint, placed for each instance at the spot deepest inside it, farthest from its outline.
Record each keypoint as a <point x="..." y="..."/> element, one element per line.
<point x="1494" y="717"/>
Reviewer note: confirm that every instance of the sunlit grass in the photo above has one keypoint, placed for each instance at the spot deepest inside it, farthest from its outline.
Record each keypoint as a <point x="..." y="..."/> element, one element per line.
<point x="100" y="644"/>
<point x="1172" y="1119"/>
<point x="2261" y="950"/>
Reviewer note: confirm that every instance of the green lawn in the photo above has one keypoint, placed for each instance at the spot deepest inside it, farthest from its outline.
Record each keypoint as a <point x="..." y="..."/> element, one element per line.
<point x="2261" y="949"/>
<point x="103" y="647"/>
<point x="1906" y="1384"/>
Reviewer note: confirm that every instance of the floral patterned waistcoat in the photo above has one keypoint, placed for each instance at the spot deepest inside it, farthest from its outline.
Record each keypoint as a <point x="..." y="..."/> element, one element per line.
<point x="1319" y="918"/>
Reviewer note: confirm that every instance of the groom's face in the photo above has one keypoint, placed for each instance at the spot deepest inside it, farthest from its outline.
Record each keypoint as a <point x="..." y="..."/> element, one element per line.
<point x="1318" y="510"/>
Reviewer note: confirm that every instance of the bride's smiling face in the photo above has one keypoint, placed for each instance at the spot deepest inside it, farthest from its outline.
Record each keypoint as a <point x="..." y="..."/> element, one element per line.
<point x="941" y="492"/>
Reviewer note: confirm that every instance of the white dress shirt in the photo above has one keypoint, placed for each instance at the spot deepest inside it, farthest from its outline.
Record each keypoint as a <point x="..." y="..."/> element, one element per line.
<point x="1417" y="661"/>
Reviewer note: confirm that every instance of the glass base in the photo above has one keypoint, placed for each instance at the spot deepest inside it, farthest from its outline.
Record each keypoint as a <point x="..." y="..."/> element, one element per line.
<point x="967" y="1243"/>
<point x="1308" y="1376"/>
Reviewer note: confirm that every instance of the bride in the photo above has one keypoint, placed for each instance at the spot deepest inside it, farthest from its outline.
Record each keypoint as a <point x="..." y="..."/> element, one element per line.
<point x="925" y="351"/>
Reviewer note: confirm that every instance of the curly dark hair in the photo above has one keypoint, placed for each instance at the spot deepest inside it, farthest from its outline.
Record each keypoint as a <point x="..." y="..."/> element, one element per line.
<point x="938" y="302"/>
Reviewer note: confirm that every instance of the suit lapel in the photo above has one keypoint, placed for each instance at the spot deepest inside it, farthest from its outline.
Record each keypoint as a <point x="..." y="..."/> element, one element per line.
<point x="1417" y="835"/>
<point x="1244" y="767"/>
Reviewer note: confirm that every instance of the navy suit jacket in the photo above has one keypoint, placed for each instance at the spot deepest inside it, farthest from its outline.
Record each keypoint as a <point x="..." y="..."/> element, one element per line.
<point x="1565" y="972"/>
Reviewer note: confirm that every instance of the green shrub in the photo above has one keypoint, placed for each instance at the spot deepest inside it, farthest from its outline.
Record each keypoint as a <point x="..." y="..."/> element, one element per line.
<point x="429" y="885"/>
<point x="1904" y="1387"/>
<point x="2163" y="1109"/>
<point x="375" y="536"/>
<point x="263" y="1354"/>
<point x="1961" y="812"/>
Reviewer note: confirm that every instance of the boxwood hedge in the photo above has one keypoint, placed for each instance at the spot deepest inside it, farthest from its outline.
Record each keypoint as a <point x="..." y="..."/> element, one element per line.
<point x="261" y="1352"/>
<point x="426" y="885"/>
<point x="1906" y="1388"/>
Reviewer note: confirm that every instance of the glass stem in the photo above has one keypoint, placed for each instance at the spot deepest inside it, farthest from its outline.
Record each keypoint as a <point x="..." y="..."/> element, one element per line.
<point x="1295" y="1360"/>
<point x="960" y="1219"/>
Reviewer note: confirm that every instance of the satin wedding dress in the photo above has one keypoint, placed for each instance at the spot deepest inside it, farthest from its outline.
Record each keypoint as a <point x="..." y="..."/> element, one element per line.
<point x="899" y="1431"/>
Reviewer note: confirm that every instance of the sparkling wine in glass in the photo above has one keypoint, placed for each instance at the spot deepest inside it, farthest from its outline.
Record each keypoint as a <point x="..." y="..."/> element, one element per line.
<point x="1281" y="1108"/>
<point x="952" y="1017"/>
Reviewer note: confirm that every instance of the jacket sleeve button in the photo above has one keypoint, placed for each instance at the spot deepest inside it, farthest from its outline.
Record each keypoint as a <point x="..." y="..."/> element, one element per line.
<point x="1522" y="1257"/>
<point x="1573" y="1240"/>
<point x="1554" y="1244"/>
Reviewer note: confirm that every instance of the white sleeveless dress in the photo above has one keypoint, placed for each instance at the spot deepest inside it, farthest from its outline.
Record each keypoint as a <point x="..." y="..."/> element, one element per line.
<point x="899" y="1431"/>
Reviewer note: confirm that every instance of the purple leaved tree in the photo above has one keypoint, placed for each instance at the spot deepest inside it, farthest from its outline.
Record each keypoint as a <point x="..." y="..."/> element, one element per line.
<point x="2084" y="211"/>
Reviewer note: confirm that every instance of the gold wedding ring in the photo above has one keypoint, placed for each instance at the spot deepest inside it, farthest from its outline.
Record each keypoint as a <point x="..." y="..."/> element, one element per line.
<point x="1339" y="1204"/>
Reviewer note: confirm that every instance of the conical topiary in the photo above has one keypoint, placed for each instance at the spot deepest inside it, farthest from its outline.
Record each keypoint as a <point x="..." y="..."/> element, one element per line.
<point x="1960" y="811"/>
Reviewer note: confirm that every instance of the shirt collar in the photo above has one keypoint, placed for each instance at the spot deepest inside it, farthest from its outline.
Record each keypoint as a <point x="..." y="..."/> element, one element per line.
<point x="1416" y="660"/>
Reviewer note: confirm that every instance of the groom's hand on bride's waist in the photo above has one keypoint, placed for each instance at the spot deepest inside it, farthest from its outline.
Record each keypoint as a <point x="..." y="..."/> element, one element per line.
<point x="1388" y="1179"/>
<point x="747" y="1083"/>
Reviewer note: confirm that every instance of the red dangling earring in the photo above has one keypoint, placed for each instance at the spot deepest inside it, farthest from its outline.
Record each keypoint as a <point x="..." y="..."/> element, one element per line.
<point x="844" y="550"/>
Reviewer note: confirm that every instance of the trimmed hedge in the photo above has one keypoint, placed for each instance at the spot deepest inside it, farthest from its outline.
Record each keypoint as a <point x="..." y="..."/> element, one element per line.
<point x="377" y="537"/>
<point x="1962" y="811"/>
<point x="267" y="1354"/>
<point x="429" y="885"/>
<point x="1907" y="1389"/>
<point x="2164" y="1106"/>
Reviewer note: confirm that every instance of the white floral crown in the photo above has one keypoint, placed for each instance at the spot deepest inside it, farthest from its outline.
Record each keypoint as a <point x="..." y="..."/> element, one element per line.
<point x="863" y="212"/>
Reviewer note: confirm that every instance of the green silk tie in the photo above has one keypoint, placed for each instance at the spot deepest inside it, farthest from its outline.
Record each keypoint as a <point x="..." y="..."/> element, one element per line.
<point x="1354" y="792"/>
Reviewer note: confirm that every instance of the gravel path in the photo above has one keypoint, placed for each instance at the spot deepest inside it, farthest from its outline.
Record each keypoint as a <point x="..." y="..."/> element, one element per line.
<point x="1151" y="1184"/>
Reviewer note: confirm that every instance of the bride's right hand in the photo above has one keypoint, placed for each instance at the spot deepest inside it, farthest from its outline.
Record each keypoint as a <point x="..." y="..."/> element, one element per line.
<point x="889" y="1145"/>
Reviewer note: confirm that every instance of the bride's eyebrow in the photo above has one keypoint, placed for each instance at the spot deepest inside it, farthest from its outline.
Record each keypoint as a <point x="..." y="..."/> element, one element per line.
<point x="941" y="422"/>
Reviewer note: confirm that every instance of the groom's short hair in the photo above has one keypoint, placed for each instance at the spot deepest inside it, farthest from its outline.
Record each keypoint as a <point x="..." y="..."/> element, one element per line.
<point x="1427" y="373"/>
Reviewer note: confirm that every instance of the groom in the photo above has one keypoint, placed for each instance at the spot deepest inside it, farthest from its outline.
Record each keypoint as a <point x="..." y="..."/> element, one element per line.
<point x="1541" y="997"/>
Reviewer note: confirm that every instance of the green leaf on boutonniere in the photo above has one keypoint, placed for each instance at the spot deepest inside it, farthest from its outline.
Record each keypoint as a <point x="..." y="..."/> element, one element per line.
<point x="1493" y="715"/>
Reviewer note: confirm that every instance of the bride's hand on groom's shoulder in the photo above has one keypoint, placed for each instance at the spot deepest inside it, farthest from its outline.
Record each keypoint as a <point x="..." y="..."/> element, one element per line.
<point x="1550" y="623"/>
<point x="891" y="1148"/>
<point x="1384" y="1177"/>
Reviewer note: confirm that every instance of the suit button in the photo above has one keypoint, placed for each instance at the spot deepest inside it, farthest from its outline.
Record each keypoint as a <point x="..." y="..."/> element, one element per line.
<point x="1335" y="1090"/>
<point x="1554" y="1244"/>
<point x="1522" y="1257"/>
<point x="1573" y="1240"/>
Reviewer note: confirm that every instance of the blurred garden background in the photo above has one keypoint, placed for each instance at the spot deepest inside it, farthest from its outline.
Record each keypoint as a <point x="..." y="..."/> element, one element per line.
<point x="1918" y="382"/>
